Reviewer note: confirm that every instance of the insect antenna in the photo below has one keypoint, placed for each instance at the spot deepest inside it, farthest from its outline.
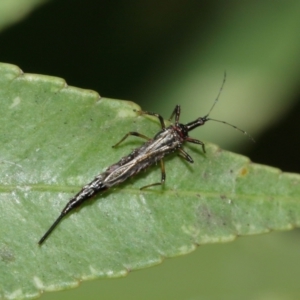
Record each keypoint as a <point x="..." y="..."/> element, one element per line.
<point x="215" y="102"/>
<point x="235" y="127"/>
<point x="217" y="99"/>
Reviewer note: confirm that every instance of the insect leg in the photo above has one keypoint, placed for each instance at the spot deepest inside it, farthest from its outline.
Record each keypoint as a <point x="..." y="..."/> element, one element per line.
<point x="175" y="112"/>
<point x="163" y="176"/>
<point x="160" y="118"/>
<point x="194" y="141"/>
<point x="185" y="155"/>
<point x="128" y="134"/>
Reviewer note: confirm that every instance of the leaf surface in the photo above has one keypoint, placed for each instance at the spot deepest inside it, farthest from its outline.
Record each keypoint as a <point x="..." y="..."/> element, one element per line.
<point x="56" y="138"/>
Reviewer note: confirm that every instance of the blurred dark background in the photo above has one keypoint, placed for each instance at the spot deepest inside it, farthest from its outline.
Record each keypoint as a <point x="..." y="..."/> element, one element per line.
<point x="133" y="50"/>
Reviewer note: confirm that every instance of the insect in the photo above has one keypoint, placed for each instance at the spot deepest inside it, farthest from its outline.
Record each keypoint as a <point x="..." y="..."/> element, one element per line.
<point x="166" y="141"/>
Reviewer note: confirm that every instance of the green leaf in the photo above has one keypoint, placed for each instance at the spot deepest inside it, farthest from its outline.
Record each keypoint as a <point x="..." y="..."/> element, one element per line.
<point x="56" y="138"/>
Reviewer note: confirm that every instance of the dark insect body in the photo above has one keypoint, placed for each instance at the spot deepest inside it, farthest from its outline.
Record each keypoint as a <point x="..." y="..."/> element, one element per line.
<point x="166" y="141"/>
